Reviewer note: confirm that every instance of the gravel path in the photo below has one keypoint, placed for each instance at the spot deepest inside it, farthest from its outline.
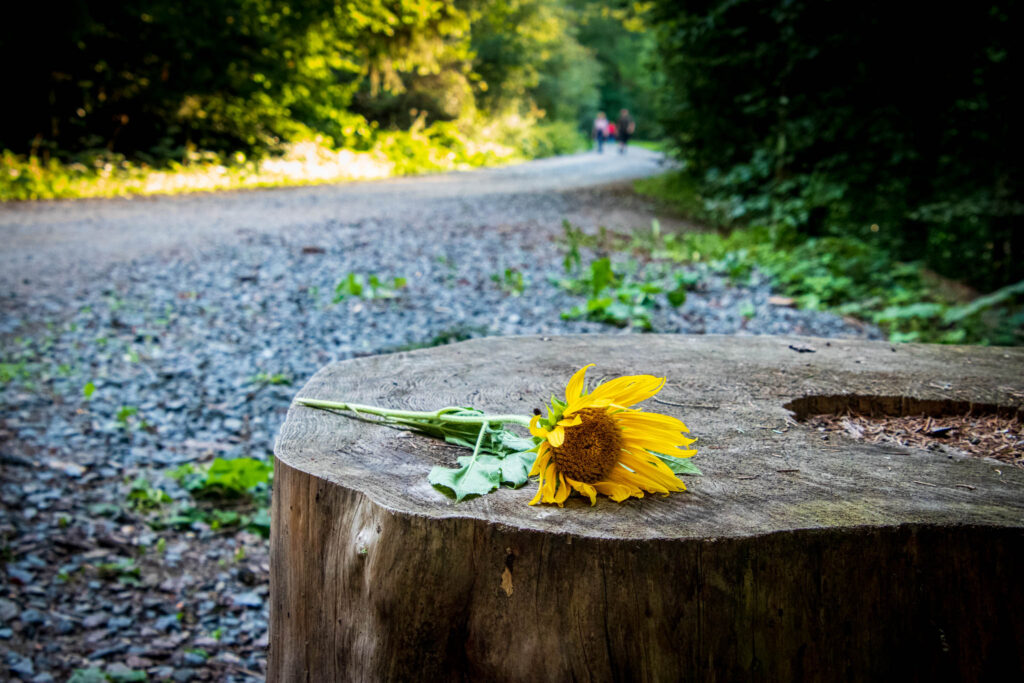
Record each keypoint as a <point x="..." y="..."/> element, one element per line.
<point x="193" y="320"/>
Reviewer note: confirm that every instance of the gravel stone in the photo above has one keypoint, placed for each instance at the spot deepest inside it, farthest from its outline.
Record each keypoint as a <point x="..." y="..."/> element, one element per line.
<point x="8" y="610"/>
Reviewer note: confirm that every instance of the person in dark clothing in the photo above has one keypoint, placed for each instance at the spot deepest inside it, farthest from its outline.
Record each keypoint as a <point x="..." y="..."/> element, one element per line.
<point x="600" y="131"/>
<point x="625" y="129"/>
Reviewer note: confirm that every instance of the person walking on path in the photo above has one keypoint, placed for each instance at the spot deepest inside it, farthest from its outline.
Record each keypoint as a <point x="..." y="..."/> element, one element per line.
<point x="625" y="129"/>
<point x="600" y="131"/>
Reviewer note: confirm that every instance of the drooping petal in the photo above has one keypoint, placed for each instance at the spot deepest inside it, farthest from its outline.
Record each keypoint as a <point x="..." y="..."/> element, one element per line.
<point x="618" y="491"/>
<point x="556" y="437"/>
<point x="536" y="431"/>
<point x="584" y="489"/>
<point x="620" y="475"/>
<point x="574" y="389"/>
<point x="546" y="489"/>
<point x="562" y="492"/>
<point x="652" y="476"/>
<point x="541" y="461"/>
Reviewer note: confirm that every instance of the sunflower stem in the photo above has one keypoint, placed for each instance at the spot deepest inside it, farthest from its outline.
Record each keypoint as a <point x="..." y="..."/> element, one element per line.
<point x="441" y="415"/>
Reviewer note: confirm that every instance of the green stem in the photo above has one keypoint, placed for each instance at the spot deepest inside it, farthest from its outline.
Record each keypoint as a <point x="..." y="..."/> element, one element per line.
<point x="441" y="415"/>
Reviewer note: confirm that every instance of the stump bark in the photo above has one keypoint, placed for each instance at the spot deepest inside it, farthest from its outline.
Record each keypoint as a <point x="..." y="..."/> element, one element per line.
<point x="794" y="557"/>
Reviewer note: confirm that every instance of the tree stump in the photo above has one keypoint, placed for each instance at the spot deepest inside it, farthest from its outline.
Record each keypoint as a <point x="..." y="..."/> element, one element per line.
<point x="793" y="557"/>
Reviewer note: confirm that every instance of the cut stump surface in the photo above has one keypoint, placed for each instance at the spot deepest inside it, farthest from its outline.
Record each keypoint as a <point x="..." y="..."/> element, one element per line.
<point x="794" y="556"/>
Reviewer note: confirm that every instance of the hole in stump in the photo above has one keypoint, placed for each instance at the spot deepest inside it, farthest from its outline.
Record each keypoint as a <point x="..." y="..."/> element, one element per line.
<point x="980" y="429"/>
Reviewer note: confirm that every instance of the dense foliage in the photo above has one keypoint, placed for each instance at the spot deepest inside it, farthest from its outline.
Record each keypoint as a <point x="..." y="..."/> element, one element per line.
<point x="873" y="120"/>
<point x="160" y="96"/>
<point x="160" y="80"/>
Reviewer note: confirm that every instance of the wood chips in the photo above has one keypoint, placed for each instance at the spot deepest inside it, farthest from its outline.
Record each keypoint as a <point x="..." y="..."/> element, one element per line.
<point x="988" y="436"/>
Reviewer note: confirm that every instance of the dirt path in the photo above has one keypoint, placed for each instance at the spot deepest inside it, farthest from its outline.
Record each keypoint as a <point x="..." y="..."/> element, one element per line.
<point x="59" y="241"/>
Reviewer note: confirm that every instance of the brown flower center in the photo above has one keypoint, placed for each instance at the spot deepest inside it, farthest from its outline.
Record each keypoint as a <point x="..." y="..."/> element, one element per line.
<point x="590" y="449"/>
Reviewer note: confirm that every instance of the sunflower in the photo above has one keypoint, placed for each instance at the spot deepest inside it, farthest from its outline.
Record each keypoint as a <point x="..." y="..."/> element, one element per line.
<point x="597" y="443"/>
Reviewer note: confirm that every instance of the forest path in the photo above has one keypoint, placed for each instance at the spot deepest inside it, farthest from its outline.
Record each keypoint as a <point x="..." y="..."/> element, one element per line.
<point x="58" y="242"/>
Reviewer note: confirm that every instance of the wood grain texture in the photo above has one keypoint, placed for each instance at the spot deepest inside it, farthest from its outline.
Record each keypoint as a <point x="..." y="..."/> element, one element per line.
<point x="792" y="558"/>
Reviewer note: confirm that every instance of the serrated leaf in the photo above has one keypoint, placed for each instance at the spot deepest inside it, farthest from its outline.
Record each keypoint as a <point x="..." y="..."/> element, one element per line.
<point x="679" y="465"/>
<point x="474" y="478"/>
<point x="515" y="468"/>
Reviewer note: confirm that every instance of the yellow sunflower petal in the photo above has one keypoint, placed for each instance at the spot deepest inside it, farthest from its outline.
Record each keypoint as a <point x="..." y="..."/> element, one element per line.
<point x="584" y="489"/>
<point x="649" y="466"/>
<point x="663" y="446"/>
<point x="646" y="476"/>
<point x="546" y="489"/>
<point x="570" y="421"/>
<point x="637" y="419"/>
<point x="538" y="432"/>
<point x="574" y="389"/>
<point x="626" y="391"/>
<point x="616" y="491"/>
<point x="556" y="437"/>
<point x="562" y="492"/>
<point x="543" y="456"/>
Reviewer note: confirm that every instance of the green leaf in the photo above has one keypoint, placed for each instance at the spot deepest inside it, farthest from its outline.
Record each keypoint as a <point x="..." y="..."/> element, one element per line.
<point x="515" y="468"/>
<point x="89" y="389"/>
<point x="127" y="676"/>
<point x="678" y="465"/>
<point x="475" y="477"/>
<point x="88" y="676"/>
<point x="677" y="297"/>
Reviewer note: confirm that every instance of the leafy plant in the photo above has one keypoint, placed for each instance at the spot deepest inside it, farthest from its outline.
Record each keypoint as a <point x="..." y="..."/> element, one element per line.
<point x="511" y="281"/>
<point x="623" y="299"/>
<point x="275" y="379"/>
<point x="234" y="478"/>
<point x="367" y="287"/>
<point x="145" y="497"/>
<point x="124" y="414"/>
<point x="124" y="570"/>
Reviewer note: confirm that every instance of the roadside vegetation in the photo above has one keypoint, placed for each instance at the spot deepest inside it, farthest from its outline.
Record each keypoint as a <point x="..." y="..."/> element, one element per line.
<point x="845" y="274"/>
<point x="890" y="193"/>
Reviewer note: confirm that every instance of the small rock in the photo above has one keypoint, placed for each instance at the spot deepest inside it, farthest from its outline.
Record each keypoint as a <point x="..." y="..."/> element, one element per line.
<point x="249" y="599"/>
<point x="20" y="576"/>
<point x="118" y="623"/>
<point x="183" y="675"/>
<point x="20" y="665"/>
<point x="167" y="623"/>
<point x="6" y="634"/>
<point x="194" y="659"/>
<point x="118" y="671"/>
<point x="94" y="620"/>
<point x="107" y="651"/>
<point x="8" y="610"/>
<point x="32" y="617"/>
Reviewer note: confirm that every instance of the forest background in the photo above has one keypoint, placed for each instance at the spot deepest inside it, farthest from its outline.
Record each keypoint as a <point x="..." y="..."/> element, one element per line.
<point x="866" y="156"/>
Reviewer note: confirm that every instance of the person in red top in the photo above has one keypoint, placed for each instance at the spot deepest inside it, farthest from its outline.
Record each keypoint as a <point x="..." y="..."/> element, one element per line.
<point x="612" y="132"/>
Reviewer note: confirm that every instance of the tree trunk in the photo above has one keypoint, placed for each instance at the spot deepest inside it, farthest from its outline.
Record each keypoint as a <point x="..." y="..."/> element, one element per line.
<point x="792" y="558"/>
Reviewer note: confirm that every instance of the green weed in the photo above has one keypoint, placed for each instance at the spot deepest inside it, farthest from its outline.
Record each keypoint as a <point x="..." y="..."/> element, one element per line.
<point x="367" y="287"/>
<point x="276" y="379"/>
<point x="511" y="281"/>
